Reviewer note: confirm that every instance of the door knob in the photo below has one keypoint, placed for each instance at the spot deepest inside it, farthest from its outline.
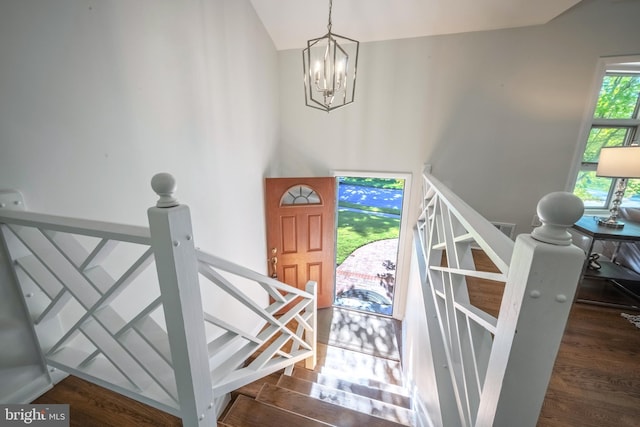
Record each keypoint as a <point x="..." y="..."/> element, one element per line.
<point x="273" y="263"/>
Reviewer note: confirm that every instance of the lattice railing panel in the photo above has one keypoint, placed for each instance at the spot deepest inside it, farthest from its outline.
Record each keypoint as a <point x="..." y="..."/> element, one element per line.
<point x="96" y="307"/>
<point x="122" y="307"/>
<point x="496" y="368"/>
<point x="449" y="230"/>
<point x="288" y="334"/>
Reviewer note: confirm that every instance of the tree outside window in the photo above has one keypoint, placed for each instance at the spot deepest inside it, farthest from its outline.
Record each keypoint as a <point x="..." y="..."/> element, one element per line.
<point x="615" y="123"/>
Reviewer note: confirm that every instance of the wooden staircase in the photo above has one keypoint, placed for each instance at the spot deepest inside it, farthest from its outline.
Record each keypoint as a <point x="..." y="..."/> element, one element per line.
<point x="335" y="394"/>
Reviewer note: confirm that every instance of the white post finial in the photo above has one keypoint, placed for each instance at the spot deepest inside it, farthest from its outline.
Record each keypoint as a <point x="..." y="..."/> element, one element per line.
<point x="164" y="184"/>
<point x="557" y="211"/>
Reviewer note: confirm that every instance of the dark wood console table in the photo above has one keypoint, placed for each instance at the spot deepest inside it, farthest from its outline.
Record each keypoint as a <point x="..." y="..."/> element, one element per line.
<point x="624" y="279"/>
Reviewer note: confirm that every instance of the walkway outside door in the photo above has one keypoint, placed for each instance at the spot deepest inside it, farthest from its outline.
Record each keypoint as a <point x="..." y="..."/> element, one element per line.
<point x="300" y="215"/>
<point x="370" y="230"/>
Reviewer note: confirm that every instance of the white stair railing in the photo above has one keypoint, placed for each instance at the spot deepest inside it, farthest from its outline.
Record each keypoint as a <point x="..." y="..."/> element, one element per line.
<point x="275" y="346"/>
<point x="101" y="313"/>
<point x="496" y="370"/>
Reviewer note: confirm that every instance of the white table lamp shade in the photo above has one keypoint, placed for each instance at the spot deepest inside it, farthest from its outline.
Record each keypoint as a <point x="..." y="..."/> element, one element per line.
<point x="619" y="162"/>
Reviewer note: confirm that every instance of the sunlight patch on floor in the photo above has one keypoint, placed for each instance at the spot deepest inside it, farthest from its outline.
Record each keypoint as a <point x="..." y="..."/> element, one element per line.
<point x="358" y="365"/>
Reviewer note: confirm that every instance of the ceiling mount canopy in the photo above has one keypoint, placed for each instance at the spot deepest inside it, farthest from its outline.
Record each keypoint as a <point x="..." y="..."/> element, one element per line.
<point x="329" y="64"/>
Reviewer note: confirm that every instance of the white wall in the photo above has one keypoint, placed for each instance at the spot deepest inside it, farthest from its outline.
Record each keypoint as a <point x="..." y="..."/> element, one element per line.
<point x="496" y="113"/>
<point x="97" y="96"/>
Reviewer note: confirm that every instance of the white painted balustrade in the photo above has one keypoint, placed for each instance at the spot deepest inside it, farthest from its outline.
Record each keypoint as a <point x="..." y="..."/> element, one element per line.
<point x="494" y="371"/>
<point x="87" y="295"/>
<point x="98" y="311"/>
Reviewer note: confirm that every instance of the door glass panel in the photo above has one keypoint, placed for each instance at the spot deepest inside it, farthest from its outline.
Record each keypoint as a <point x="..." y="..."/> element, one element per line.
<point x="300" y="195"/>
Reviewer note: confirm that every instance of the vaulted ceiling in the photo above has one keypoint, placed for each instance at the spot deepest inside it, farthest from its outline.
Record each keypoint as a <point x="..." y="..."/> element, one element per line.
<point x="292" y="22"/>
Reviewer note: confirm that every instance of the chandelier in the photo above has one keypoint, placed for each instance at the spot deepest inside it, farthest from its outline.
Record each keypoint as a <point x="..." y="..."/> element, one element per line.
<point x="329" y="63"/>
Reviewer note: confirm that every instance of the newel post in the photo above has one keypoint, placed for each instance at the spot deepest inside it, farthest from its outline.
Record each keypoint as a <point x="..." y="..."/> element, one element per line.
<point x="541" y="284"/>
<point x="177" y="267"/>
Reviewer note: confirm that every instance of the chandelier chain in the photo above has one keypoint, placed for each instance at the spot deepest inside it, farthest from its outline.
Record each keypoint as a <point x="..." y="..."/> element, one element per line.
<point x="330" y="7"/>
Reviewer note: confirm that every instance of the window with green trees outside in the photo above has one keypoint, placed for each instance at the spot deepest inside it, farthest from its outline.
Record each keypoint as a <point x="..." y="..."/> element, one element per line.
<point x="615" y="122"/>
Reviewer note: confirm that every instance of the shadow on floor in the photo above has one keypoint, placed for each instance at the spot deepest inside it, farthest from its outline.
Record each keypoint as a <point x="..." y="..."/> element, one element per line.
<point x="363" y="332"/>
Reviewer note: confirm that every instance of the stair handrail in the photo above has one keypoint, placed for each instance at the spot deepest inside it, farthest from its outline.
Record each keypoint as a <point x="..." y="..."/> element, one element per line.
<point x="86" y="227"/>
<point x="497" y="245"/>
<point x="493" y="375"/>
<point x="177" y="374"/>
<point x="231" y="267"/>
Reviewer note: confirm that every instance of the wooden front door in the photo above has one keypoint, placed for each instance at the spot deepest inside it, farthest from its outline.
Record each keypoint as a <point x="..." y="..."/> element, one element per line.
<point x="301" y="232"/>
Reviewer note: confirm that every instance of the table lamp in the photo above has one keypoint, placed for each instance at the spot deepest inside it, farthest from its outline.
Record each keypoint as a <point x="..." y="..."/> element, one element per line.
<point x="620" y="163"/>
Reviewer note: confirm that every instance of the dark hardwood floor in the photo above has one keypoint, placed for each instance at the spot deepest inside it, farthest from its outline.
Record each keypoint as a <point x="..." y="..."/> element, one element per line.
<point x="596" y="377"/>
<point x="595" y="382"/>
<point x="94" y="406"/>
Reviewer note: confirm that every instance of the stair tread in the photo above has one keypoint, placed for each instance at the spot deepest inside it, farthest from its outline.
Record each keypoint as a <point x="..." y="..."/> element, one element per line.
<point x="353" y="401"/>
<point x="319" y="409"/>
<point x="246" y="412"/>
<point x="364" y="387"/>
<point x="252" y="389"/>
<point x="336" y="359"/>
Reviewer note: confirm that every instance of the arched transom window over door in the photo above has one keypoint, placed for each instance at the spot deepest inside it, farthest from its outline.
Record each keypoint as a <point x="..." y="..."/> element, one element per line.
<point x="300" y="195"/>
